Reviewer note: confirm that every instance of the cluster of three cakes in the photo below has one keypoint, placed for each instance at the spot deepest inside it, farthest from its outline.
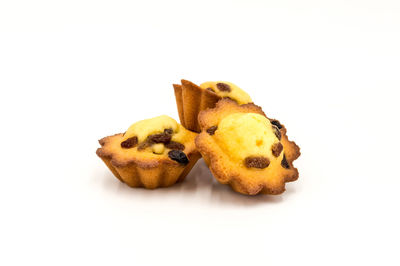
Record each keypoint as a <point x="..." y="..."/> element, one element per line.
<point x="219" y="122"/>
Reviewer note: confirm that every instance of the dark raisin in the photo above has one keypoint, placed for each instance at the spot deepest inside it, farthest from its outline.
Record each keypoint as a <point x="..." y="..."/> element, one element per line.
<point x="277" y="132"/>
<point x="143" y="145"/>
<point x="168" y="131"/>
<point x="210" y="89"/>
<point x="178" y="156"/>
<point x="173" y="145"/>
<point x="223" y="87"/>
<point x="256" y="162"/>
<point x="211" y="130"/>
<point x="159" y="138"/>
<point x="277" y="149"/>
<point x="129" y="143"/>
<point x="276" y="123"/>
<point x="285" y="163"/>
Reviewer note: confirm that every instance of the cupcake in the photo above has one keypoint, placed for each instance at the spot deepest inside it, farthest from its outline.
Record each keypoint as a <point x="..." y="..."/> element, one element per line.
<point x="245" y="149"/>
<point x="191" y="99"/>
<point x="152" y="153"/>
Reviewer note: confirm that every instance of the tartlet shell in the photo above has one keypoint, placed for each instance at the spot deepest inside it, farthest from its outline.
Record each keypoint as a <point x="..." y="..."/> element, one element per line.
<point x="190" y="100"/>
<point x="147" y="173"/>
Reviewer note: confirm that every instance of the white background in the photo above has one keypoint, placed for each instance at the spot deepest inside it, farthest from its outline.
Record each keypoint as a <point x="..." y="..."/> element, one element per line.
<point x="72" y="72"/>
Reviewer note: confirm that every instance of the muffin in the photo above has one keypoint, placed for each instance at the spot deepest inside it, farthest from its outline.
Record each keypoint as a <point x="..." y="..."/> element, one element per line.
<point x="191" y="99"/>
<point x="245" y="149"/>
<point x="152" y="153"/>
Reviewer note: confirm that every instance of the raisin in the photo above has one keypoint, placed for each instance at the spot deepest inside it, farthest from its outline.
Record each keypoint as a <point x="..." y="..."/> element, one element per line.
<point x="129" y="143"/>
<point x="223" y="87"/>
<point x="276" y="123"/>
<point x="159" y="138"/>
<point x="277" y="132"/>
<point x="168" y="131"/>
<point x="143" y="145"/>
<point x="285" y="163"/>
<point x="277" y="149"/>
<point x="210" y="89"/>
<point x="256" y="162"/>
<point x="173" y="145"/>
<point x="178" y="156"/>
<point x="211" y="130"/>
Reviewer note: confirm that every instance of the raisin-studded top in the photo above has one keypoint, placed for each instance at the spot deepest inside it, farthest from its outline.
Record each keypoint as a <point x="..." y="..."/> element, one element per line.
<point x="144" y="128"/>
<point x="226" y="89"/>
<point x="153" y="138"/>
<point x="249" y="139"/>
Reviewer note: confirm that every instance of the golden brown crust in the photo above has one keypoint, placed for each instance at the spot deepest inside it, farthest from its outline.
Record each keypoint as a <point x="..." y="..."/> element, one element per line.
<point x="190" y="100"/>
<point x="146" y="172"/>
<point x="179" y="101"/>
<point x="239" y="178"/>
<point x="207" y="116"/>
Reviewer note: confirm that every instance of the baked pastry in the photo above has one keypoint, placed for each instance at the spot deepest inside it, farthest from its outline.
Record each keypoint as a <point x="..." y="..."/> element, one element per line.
<point x="156" y="152"/>
<point x="246" y="149"/>
<point x="191" y="99"/>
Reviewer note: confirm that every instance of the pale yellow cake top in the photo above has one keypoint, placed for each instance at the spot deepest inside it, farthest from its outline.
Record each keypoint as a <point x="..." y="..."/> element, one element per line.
<point x="144" y="128"/>
<point x="242" y="135"/>
<point x="227" y="89"/>
<point x="150" y="126"/>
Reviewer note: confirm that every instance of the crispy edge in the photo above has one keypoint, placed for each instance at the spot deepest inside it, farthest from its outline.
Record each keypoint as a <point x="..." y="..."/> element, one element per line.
<point x="146" y="164"/>
<point x="179" y="102"/>
<point x="150" y="174"/>
<point x="191" y="99"/>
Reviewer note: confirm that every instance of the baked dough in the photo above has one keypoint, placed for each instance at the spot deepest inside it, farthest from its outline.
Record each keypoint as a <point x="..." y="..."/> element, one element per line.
<point x="245" y="149"/>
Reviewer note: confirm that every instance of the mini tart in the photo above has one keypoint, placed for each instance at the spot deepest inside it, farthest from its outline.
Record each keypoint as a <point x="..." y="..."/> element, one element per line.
<point x="246" y="149"/>
<point x="152" y="153"/>
<point x="191" y="99"/>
